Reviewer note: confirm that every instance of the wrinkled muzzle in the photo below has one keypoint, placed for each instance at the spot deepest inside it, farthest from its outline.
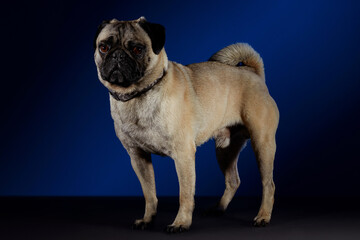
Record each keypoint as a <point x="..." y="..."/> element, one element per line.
<point x="120" y="69"/>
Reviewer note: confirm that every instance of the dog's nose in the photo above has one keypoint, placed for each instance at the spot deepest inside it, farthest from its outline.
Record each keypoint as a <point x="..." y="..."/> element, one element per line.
<point x="119" y="55"/>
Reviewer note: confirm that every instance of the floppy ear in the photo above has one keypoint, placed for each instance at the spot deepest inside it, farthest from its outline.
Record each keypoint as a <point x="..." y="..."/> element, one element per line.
<point x="101" y="26"/>
<point x="156" y="33"/>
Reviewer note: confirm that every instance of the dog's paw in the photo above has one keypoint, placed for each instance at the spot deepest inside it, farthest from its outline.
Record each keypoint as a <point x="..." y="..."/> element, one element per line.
<point x="261" y="222"/>
<point x="140" y="224"/>
<point x="176" y="229"/>
<point x="262" y="219"/>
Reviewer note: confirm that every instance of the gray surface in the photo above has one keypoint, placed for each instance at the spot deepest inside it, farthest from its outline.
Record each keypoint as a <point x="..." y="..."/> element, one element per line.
<point x="111" y="218"/>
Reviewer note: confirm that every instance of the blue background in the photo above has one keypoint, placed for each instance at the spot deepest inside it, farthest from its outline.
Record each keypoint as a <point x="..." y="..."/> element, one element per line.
<point x="57" y="135"/>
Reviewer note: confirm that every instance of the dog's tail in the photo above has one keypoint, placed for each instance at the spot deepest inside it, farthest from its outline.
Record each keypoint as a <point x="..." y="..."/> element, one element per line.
<point x="242" y="55"/>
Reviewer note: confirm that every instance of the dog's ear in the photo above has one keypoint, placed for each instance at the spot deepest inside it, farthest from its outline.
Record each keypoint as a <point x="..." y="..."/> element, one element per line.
<point x="156" y="33"/>
<point x="101" y="26"/>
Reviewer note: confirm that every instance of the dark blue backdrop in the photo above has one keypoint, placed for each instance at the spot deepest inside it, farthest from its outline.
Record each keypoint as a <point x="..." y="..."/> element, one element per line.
<point x="57" y="136"/>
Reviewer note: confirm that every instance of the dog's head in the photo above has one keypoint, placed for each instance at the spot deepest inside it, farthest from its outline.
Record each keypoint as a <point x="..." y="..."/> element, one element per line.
<point x="127" y="51"/>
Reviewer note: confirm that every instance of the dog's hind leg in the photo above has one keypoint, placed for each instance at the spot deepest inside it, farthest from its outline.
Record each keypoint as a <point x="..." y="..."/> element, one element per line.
<point x="262" y="125"/>
<point x="264" y="147"/>
<point x="229" y="142"/>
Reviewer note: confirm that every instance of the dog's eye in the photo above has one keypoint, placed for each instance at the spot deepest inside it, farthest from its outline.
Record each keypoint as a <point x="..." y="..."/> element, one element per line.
<point x="137" y="50"/>
<point x="104" y="48"/>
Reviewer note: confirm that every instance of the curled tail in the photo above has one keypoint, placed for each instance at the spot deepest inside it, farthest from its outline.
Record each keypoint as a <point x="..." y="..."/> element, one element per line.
<point x="241" y="54"/>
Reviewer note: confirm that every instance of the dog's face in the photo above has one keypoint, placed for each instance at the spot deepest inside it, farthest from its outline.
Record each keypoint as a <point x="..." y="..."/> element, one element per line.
<point x="125" y="51"/>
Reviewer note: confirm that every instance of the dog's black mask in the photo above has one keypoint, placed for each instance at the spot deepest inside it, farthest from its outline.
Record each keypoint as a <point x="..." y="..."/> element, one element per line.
<point x="125" y="63"/>
<point x="121" y="69"/>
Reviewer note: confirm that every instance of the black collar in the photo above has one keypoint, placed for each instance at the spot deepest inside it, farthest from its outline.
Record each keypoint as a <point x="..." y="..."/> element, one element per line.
<point x="128" y="96"/>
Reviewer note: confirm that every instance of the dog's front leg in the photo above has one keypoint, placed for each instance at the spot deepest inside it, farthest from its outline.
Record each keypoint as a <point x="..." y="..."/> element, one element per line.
<point x="185" y="168"/>
<point x="142" y="165"/>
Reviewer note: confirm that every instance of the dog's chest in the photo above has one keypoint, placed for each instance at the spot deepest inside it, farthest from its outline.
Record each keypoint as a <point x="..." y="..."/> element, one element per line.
<point x="141" y="125"/>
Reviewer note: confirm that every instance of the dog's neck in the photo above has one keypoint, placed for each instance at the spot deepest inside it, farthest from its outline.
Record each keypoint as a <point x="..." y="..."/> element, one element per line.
<point x="128" y="96"/>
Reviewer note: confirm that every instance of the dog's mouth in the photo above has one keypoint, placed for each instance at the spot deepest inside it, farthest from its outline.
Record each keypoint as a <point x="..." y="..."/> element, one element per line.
<point x="116" y="77"/>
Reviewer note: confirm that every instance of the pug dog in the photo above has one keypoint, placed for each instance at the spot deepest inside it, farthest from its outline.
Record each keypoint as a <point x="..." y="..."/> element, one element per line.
<point x="162" y="107"/>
